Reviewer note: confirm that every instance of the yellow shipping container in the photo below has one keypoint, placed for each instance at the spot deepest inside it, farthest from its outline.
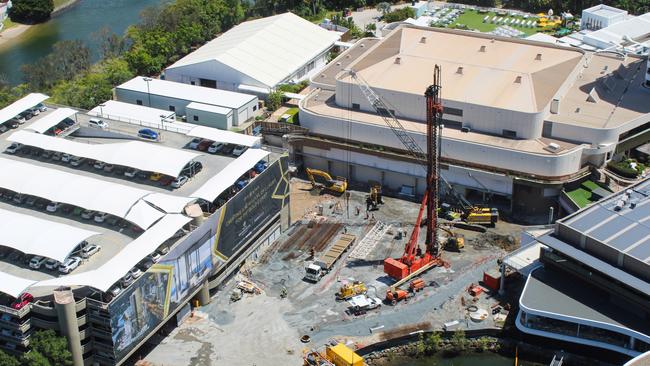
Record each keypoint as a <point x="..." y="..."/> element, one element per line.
<point x="341" y="355"/>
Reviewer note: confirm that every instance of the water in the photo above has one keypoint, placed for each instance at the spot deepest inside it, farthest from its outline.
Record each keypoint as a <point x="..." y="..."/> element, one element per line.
<point x="78" y="22"/>
<point x="483" y="359"/>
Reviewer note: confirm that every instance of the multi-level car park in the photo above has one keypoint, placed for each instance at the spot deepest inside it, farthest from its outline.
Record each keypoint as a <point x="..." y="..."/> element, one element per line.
<point x="95" y="208"/>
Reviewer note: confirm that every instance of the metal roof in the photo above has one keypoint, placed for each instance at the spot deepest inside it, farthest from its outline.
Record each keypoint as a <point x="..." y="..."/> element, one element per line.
<point x="21" y="105"/>
<point x="225" y="136"/>
<point x="209" y="108"/>
<point x="127" y="112"/>
<point x="45" y="123"/>
<point x="268" y="50"/>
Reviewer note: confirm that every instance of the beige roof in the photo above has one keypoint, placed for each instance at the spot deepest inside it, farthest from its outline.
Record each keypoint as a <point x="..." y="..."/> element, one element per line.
<point x="608" y="93"/>
<point x="511" y="74"/>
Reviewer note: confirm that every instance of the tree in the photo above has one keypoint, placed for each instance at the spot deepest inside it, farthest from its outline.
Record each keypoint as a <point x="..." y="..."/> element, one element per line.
<point x="48" y="349"/>
<point x="110" y="44"/>
<point x="8" y="360"/>
<point x="66" y="61"/>
<point x="399" y="15"/>
<point x="274" y="100"/>
<point x="433" y="342"/>
<point x="383" y="7"/>
<point x="370" y="30"/>
<point x="458" y="341"/>
<point x="31" y="11"/>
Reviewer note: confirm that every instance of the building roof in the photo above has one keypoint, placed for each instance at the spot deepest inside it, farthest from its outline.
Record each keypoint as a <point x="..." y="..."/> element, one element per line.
<point x="51" y="239"/>
<point x="268" y="50"/>
<point x="144" y="156"/>
<point x="636" y="28"/>
<point x="228" y="137"/>
<point x="209" y="108"/>
<point x="51" y="120"/>
<point x="603" y="11"/>
<point x="14" y="285"/>
<point x="121" y="111"/>
<point x="19" y="106"/>
<point x="487" y="70"/>
<point x="192" y="93"/>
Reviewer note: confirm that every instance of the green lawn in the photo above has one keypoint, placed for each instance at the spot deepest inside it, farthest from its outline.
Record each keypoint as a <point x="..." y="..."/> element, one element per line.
<point x="580" y="196"/>
<point x="590" y="185"/>
<point x="473" y="20"/>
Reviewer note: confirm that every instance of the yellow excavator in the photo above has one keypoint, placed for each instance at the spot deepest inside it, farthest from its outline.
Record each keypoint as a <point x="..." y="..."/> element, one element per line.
<point x="338" y="185"/>
<point x="455" y="241"/>
<point x="374" y="197"/>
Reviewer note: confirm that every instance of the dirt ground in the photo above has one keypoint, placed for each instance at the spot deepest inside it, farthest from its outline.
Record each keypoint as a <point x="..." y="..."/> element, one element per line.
<point x="265" y="329"/>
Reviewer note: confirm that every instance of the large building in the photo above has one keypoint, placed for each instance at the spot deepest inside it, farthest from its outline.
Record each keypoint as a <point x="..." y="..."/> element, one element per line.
<point x="257" y="56"/>
<point x="521" y="117"/>
<point x="164" y="239"/>
<point x="601" y="16"/>
<point x="594" y="284"/>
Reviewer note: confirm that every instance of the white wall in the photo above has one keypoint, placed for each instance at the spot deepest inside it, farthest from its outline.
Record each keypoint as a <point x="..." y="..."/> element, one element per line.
<point x="214" y="120"/>
<point x="226" y="77"/>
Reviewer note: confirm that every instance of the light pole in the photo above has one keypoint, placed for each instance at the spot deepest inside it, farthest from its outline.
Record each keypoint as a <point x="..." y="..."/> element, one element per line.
<point x="148" y="92"/>
<point x="101" y="110"/>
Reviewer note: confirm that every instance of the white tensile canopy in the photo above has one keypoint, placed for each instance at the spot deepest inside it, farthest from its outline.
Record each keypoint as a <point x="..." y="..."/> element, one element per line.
<point x="13" y="285"/>
<point x="215" y="134"/>
<point x="45" y="123"/>
<point x="21" y="105"/>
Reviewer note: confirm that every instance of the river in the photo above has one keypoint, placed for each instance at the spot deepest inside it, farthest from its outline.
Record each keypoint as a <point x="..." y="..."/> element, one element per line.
<point x="77" y="22"/>
<point x="472" y="359"/>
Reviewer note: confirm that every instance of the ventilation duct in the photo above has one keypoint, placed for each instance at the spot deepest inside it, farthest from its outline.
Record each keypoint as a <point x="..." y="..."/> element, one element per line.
<point x="423" y="40"/>
<point x="460" y="70"/>
<point x="518" y="80"/>
<point x="482" y="49"/>
<point x="398" y="60"/>
<point x="538" y="57"/>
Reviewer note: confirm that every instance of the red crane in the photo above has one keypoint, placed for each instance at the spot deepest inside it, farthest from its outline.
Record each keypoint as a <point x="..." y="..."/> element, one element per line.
<point x="413" y="258"/>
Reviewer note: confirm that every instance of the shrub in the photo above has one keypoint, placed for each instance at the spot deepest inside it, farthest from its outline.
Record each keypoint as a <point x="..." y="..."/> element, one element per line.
<point x="399" y="14"/>
<point x="623" y="169"/>
<point x="31" y="11"/>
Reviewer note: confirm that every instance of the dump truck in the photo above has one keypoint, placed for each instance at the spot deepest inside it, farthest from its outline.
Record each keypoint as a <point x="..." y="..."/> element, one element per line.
<point x="320" y="267"/>
<point x="350" y="290"/>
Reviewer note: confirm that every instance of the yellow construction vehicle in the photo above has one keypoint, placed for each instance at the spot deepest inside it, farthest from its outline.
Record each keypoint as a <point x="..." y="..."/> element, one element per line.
<point x="349" y="290"/>
<point x="374" y="197"/>
<point x="338" y="185"/>
<point x="455" y="242"/>
<point x="481" y="215"/>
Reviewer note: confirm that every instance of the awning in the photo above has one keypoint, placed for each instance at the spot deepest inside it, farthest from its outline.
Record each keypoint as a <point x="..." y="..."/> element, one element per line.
<point x="225" y="136"/>
<point x="134" y="154"/>
<point x="295" y="96"/>
<point x="120" y="111"/>
<point x="35" y="236"/>
<point x="59" y="186"/>
<point x="45" y="123"/>
<point x="169" y="203"/>
<point x="216" y="185"/>
<point x="21" y="105"/>
<point x="143" y="214"/>
<point x="12" y="285"/>
<point x="112" y="271"/>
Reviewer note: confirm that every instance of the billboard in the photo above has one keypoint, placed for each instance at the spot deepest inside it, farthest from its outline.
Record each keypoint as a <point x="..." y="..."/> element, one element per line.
<point x="168" y="283"/>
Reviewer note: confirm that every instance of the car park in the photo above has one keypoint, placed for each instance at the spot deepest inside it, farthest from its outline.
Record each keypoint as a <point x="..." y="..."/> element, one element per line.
<point x="238" y="150"/>
<point x="131" y="172"/>
<point x="166" y="180"/>
<point x="52" y="264"/>
<point x="148" y="134"/>
<point x="53" y="207"/>
<point x="204" y="145"/>
<point x="155" y="176"/>
<point x="100" y="217"/>
<point x="194" y="144"/>
<point x="127" y="280"/>
<point x="215" y="147"/>
<point x="178" y="182"/>
<point x="37" y="261"/>
<point x="89" y="250"/>
<point x="69" y="264"/>
<point x="77" y="161"/>
<point x="99" y="165"/>
<point x="13" y="148"/>
<point x="87" y="214"/>
<point x="97" y="123"/>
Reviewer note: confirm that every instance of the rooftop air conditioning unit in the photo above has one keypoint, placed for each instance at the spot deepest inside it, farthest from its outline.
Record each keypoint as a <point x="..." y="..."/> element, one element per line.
<point x="552" y="147"/>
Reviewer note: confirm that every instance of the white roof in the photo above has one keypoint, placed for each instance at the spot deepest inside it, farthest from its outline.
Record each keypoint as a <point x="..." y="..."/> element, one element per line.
<point x="634" y="28"/>
<point x="120" y="111"/>
<point x="209" y="108"/>
<point x="211" y="189"/>
<point x="21" y="105"/>
<point x="52" y="119"/>
<point x="542" y="37"/>
<point x="134" y="154"/>
<point x="169" y="203"/>
<point x="105" y="276"/>
<point x="268" y="50"/>
<point x="192" y="93"/>
<point x="59" y="186"/>
<point x="12" y="285"/>
<point x="215" y="134"/>
<point x="51" y="239"/>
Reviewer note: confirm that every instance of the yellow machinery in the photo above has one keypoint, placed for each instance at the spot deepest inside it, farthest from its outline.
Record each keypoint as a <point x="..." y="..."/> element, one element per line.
<point x="481" y="215"/>
<point x="338" y="185"/>
<point x="341" y="355"/>
<point x="350" y="290"/>
<point x="455" y="242"/>
<point x="374" y="197"/>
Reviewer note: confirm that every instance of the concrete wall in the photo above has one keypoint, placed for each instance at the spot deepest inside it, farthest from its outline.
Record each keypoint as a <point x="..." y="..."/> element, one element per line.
<point x="595" y="136"/>
<point x="215" y="120"/>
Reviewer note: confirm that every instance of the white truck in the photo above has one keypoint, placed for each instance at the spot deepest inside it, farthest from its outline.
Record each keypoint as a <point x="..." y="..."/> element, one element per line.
<point x="363" y="302"/>
<point x="319" y="268"/>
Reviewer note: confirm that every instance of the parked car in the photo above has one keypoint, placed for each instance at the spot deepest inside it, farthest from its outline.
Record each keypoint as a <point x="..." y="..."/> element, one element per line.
<point x="136" y="272"/>
<point x="77" y="161"/>
<point x="19" y="198"/>
<point x="99" y="165"/>
<point x="191" y="169"/>
<point x="52" y="264"/>
<point x="131" y="172"/>
<point x="20" y="119"/>
<point x="155" y="176"/>
<point x="240" y="184"/>
<point x="87" y="214"/>
<point x="143" y="174"/>
<point x="194" y="144"/>
<point x="166" y="180"/>
<point x="114" y="291"/>
<point x="204" y="145"/>
<point x="66" y="158"/>
<point x="100" y="217"/>
<point x="41" y="204"/>
<point x="11" y="123"/>
<point x="53" y="206"/>
<point x="97" y="123"/>
<point x="178" y="182"/>
<point x="27" y="115"/>
<point x="260" y="166"/>
<point x="155" y="257"/>
<point x="37" y="151"/>
<point x="35" y="111"/>
<point x="89" y="250"/>
<point x="227" y="149"/>
<point x="56" y="156"/>
<point x="37" y="261"/>
<point x="108" y="168"/>
<point x="145" y="264"/>
<point x="238" y="150"/>
<point x="46" y="154"/>
<point x="31" y="200"/>
<point x="113" y="220"/>
<point x="127" y="280"/>
<point x="77" y="211"/>
<point x="23" y="300"/>
<point x="67" y="209"/>
<point x="8" y="196"/>
<point x="3" y="128"/>
<point x="70" y="264"/>
<point x="215" y="147"/>
<point x="41" y="107"/>
<point x="13" y="148"/>
<point x="148" y="134"/>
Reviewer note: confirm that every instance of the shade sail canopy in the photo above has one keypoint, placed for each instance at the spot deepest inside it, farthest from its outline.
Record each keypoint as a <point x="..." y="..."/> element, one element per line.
<point x="21" y="105"/>
<point x="12" y="285"/>
<point x="169" y="203"/>
<point x="32" y="235"/>
<point x="134" y="154"/>
<point x="216" y="185"/>
<point x="225" y="136"/>
<point x="105" y="276"/>
<point x="59" y="186"/>
<point x="45" y="123"/>
<point x="126" y="112"/>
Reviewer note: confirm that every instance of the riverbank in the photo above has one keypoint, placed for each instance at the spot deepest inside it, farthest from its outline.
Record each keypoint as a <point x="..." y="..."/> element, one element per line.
<point x="9" y="34"/>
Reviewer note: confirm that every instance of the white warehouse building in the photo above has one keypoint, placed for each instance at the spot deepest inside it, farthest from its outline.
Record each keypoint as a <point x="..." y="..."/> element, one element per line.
<point x="200" y="105"/>
<point x="522" y="118"/>
<point x="257" y="56"/>
<point x="601" y="16"/>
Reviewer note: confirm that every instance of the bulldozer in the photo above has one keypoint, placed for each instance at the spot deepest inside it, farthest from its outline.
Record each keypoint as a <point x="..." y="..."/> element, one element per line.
<point x="481" y="215"/>
<point x="374" y="197"/>
<point x="349" y="290"/>
<point x="338" y="185"/>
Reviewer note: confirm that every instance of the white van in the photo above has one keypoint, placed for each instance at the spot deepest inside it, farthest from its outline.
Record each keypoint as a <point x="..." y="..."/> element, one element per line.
<point x="98" y="123"/>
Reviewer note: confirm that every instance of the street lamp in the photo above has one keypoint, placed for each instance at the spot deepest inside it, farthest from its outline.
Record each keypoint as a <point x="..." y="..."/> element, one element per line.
<point x="148" y="92"/>
<point x="101" y="111"/>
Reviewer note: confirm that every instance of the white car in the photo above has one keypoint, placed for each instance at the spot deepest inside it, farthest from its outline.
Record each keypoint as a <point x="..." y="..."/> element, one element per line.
<point x="89" y="250"/>
<point x="101" y="217"/>
<point x="135" y="272"/>
<point x="155" y="257"/>
<point x="97" y="123"/>
<point x="215" y="147"/>
<point x="194" y="144"/>
<point x="53" y="206"/>
<point x="36" y="262"/>
<point x="66" y="158"/>
<point x="99" y="165"/>
<point x="87" y="214"/>
<point x="70" y="264"/>
<point x="13" y="148"/>
<point x="76" y="161"/>
<point x="131" y="173"/>
<point x="238" y="150"/>
<point x="52" y="264"/>
<point x="178" y="182"/>
<point x="115" y="290"/>
<point x="41" y="107"/>
<point x="35" y="111"/>
<point x="363" y="302"/>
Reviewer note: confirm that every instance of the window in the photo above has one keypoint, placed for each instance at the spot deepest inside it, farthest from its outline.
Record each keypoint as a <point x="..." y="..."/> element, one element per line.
<point x="138" y="102"/>
<point x="172" y="108"/>
<point x="509" y="133"/>
<point x="195" y="118"/>
<point x="452" y="111"/>
<point x="356" y="106"/>
<point x="192" y="82"/>
<point x="254" y="108"/>
<point x="310" y="66"/>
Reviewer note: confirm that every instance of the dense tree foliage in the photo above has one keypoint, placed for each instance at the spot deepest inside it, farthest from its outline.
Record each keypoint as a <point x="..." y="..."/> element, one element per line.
<point x="31" y="11"/>
<point x="46" y="349"/>
<point x="398" y="15"/>
<point x="67" y="60"/>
